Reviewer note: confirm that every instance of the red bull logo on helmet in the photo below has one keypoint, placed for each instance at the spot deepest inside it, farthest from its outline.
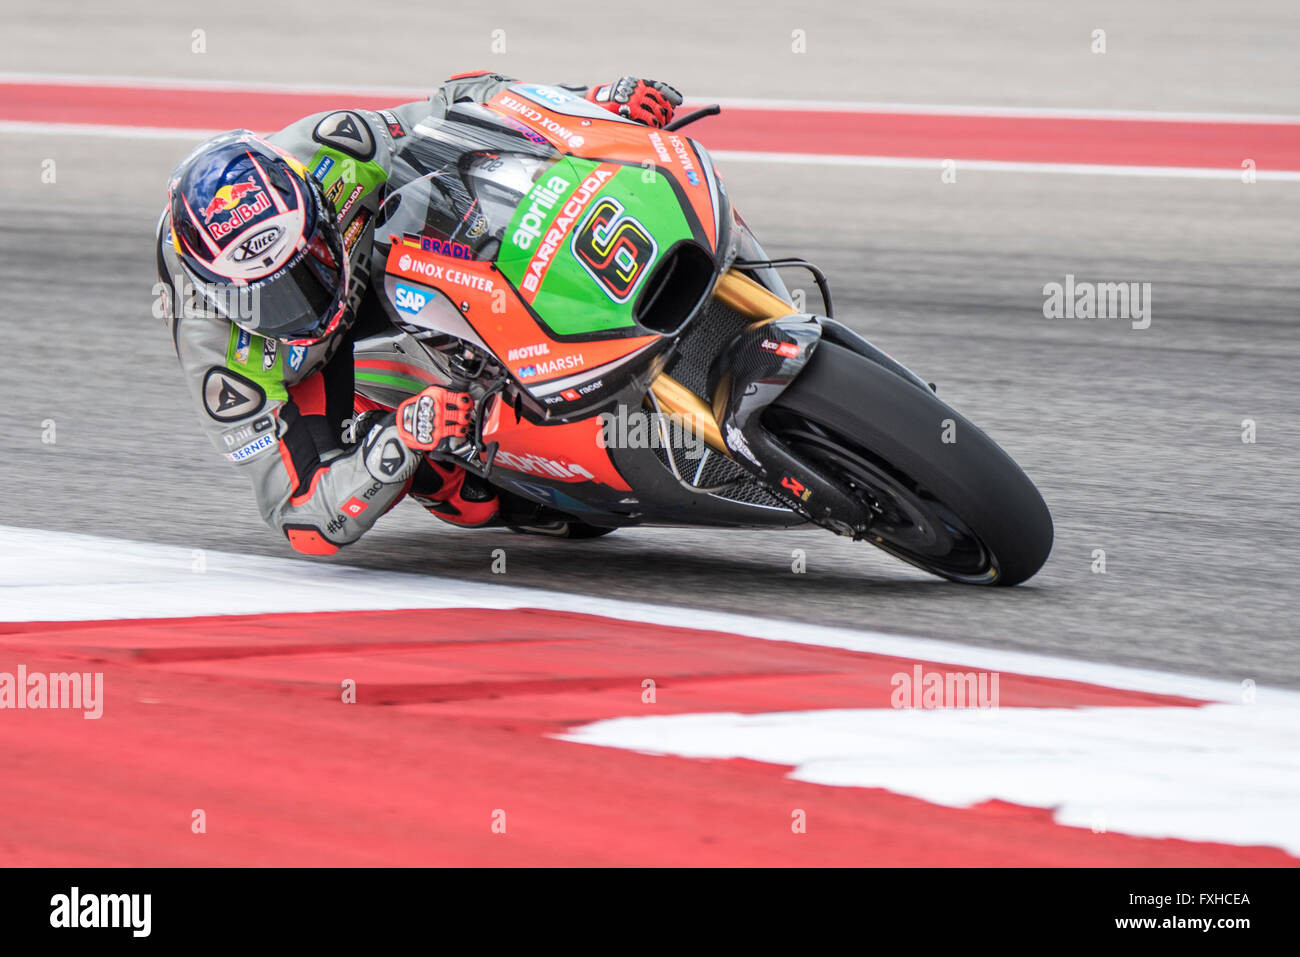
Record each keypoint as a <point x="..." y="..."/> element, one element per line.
<point x="242" y="202"/>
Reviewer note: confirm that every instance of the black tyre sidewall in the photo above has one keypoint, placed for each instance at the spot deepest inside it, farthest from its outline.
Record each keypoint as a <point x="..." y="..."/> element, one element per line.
<point x="904" y="425"/>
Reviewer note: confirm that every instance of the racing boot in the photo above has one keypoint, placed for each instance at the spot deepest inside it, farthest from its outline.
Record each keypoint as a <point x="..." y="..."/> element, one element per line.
<point x="453" y="495"/>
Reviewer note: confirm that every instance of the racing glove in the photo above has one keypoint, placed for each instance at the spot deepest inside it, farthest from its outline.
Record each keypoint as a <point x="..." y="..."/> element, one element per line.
<point x="645" y="101"/>
<point x="426" y="420"/>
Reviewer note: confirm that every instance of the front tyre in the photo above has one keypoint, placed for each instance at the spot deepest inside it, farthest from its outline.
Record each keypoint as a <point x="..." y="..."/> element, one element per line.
<point x="961" y="509"/>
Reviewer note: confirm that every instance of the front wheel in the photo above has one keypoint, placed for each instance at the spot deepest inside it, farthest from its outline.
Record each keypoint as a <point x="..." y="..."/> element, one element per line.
<point x="939" y="492"/>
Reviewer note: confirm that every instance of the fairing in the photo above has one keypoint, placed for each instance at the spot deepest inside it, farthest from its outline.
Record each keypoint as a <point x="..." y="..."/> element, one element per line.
<point x="571" y="245"/>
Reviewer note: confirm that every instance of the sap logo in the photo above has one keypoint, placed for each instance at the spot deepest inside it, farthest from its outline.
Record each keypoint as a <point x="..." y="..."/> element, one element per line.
<point x="549" y="94"/>
<point x="409" y="300"/>
<point x="296" y="355"/>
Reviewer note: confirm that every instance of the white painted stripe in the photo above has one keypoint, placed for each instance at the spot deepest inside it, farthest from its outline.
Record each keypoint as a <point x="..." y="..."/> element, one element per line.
<point x="61" y="576"/>
<point x="695" y="101"/>
<point x="1000" y="166"/>
<point x="1227" y="773"/>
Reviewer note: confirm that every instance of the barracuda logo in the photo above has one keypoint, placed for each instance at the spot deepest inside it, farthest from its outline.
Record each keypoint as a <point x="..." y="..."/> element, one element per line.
<point x="560" y="228"/>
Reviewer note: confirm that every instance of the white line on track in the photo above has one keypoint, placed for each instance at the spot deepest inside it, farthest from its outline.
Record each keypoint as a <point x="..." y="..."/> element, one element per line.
<point x="63" y="576"/>
<point x="1000" y="166"/>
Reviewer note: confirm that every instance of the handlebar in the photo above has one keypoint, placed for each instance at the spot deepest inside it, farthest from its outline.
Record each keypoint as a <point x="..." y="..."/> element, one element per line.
<point x="711" y="110"/>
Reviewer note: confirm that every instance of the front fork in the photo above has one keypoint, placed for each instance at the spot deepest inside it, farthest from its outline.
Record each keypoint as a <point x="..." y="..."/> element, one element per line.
<point x="747" y="376"/>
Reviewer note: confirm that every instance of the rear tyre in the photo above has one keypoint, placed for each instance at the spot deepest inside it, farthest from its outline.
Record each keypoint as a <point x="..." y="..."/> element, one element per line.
<point x="961" y="509"/>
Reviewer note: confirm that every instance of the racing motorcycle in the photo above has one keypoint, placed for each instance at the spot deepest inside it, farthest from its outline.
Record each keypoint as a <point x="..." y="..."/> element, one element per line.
<point x="636" y="358"/>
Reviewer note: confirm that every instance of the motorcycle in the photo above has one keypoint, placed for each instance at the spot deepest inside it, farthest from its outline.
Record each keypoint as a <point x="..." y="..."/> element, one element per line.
<point x="636" y="358"/>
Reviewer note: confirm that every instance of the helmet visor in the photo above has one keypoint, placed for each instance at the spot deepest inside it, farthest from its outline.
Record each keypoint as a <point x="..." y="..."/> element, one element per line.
<point x="301" y="303"/>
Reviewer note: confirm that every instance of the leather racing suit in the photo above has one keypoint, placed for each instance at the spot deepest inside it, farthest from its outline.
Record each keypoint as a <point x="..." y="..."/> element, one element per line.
<point x="282" y="414"/>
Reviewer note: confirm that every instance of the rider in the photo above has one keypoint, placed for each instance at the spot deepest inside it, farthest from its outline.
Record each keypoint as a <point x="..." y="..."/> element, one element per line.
<point x="267" y="276"/>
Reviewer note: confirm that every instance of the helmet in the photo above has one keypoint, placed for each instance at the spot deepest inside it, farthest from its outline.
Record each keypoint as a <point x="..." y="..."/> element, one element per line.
<point x="258" y="239"/>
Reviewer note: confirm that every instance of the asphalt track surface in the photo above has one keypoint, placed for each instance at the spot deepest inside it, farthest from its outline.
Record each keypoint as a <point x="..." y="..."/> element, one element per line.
<point x="1134" y="436"/>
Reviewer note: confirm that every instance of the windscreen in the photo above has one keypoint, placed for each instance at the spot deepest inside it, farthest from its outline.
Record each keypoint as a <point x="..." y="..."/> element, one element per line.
<point x="461" y="180"/>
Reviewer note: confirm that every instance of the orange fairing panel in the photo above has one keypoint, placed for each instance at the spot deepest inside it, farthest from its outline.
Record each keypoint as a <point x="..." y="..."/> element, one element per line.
<point x="493" y="309"/>
<point x="609" y="138"/>
<point x="571" y="452"/>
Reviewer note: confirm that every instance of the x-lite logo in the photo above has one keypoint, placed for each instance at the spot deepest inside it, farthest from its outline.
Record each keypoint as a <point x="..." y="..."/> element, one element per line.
<point x="614" y="247"/>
